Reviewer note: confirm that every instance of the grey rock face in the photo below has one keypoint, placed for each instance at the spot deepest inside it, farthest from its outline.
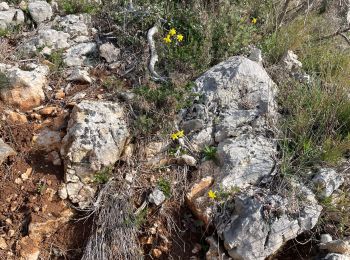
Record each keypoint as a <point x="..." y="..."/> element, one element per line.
<point x="245" y="160"/>
<point x="261" y="223"/>
<point x="77" y="54"/>
<point x="5" y="151"/>
<point x="79" y="75"/>
<point x="326" y="182"/>
<point x="157" y="197"/>
<point x="75" y="25"/>
<point x="236" y="110"/>
<point x="95" y="139"/>
<point x="40" y="11"/>
<point x="53" y="39"/>
<point x="11" y="17"/>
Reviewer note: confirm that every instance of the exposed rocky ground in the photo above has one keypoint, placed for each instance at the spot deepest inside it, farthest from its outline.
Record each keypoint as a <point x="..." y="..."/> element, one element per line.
<point x="83" y="175"/>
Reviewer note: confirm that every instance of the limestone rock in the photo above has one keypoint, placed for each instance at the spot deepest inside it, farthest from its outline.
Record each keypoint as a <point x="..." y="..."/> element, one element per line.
<point x="188" y="160"/>
<point x="11" y="17"/>
<point x="237" y="109"/>
<point x="290" y="61"/>
<point x="26" y="86"/>
<point x="75" y="25"/>
<point x="325" y="238"/>
<point x="245" y="160"/>
<point x="96" y="136"/>
<point x="53" y="39"/>
<point x="4" y="6"/>
<point x="109" y="52"/>
<point x="157" y="197"/>
<point x="260" y="224"/>
<point x="5" y="151"/>
<point x="40" y="11"/>
<point x="77" y="54"/>
<point x="79" y="75"/>
<point x="326" y="182"/>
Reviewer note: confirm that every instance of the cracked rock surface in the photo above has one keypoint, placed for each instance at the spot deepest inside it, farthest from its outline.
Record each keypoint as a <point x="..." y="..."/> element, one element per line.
<point x="96" y="136"/>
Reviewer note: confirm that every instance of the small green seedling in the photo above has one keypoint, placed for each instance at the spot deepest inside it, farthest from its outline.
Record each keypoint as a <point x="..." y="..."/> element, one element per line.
<point x="209" y="153"/>
<point x="102" y="177"/>
<point x="165" y="186"/>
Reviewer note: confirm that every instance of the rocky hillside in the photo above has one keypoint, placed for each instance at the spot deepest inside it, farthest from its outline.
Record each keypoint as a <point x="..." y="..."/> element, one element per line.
<point x="174" y="130"/>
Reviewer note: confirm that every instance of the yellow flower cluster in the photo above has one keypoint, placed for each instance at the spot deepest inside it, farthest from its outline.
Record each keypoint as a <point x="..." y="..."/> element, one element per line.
<point x="212" y="194"/>
<point x="172" y="34"/>
<point x="254" y="20"/>
<point x="177" y="135"/>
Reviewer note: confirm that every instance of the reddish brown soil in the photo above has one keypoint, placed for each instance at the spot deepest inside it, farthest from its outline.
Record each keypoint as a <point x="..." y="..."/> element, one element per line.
<point x="30" y="201"/>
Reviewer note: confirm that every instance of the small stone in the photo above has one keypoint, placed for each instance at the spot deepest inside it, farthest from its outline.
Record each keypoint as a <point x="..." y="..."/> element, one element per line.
<point x="3" y="244"/>
<point x="290" y="61"/>
<point x="4" y="6"/>
<point x="5" y="151"/>
<point x="48" y="111"/>
<point x="60" y="94"/>
<point x="11" y="233"/>
<point x="62" y="192"/>
<point x="326" y="238"/>
<point x="326" y="182"/>
<point x="109" y="52"/>
<point x="8" y="221"/>
<point x="16" y="118"/>
<point x="156" y="253"/>
<point x="157" y="197"/>
<point x="46" y="51"/>
<point x="129" y="177"/>
<point x="78" y="75"/>
<point x="25" y="176"/>
<point x="188" y="159"/>
<point x="256" y="55"/>
<point x="35" y="116"/>
<point x="18" y="181"/>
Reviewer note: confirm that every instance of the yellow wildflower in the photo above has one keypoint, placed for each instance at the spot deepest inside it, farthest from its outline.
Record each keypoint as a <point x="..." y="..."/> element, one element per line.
<point x="172" y="32"/>
<point x="180" y="37"/>
<point x="177" y="135"/>
<point x="180" y="133"/>
<point x="212" y="194"/>
<point x="254" y="20"/>
<point x="167" y="39"/>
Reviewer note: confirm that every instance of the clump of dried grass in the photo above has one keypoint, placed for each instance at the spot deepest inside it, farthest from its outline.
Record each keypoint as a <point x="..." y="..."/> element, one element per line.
<point x="114" y="233"/>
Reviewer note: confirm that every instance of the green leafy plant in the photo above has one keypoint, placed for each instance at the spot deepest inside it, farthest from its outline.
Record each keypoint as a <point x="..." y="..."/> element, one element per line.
<point x="56" y="58"/>
<point x="41" y="187"/>
<point x="78" y="6"/>
<point x="102" y="177"/>
<point x="209" y="153"/>
<point x="165" y="186"/>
